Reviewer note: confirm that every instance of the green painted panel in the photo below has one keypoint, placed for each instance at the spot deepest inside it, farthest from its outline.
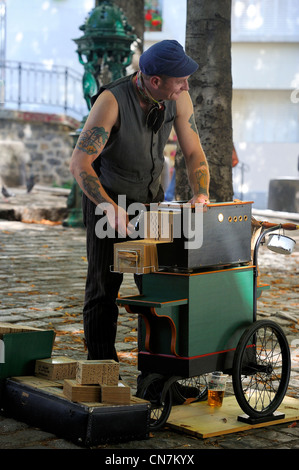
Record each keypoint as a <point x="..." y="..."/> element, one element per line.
<point x="161" y="331"/>
<point x="220" y="308"/>
<point x="22" y="349"/>
<point x="165" y="286"/>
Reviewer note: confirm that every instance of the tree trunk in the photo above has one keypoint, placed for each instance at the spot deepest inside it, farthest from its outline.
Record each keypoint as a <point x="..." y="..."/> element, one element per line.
<point x="208" y="42"/>
<point x="134" y="12"/>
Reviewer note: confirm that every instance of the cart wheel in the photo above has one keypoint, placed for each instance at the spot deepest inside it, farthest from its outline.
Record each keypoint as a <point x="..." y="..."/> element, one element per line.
<point x="261" y="369"/>
<point x="152" y="388"/>
<point x="195" y="388"/>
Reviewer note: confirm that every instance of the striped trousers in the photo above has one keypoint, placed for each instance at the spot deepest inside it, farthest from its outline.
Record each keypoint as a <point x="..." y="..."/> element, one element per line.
<point x="100" y="312"/>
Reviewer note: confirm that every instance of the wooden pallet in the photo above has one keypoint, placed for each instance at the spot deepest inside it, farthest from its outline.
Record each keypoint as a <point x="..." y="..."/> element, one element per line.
<point x="201" y="420"/>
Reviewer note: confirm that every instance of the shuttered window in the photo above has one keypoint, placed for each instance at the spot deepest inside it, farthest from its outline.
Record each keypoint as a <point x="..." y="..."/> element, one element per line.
<point x="265" y="20"/>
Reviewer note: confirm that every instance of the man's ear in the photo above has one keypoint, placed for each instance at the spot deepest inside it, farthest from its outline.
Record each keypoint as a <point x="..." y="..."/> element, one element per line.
<point x="155" y="81"/>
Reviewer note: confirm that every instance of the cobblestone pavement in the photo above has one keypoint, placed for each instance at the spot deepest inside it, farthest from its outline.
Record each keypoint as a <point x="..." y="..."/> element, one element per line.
<point x="42" y="281"/>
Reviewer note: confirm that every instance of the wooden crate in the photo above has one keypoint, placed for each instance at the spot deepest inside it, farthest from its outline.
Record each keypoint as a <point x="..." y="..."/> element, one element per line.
<point x="118" y="394"/>
<point x="76" y="392"/>
<point x="136" y="256"/>
<point x="97" y="372"/>
<point x="56" y="368"/>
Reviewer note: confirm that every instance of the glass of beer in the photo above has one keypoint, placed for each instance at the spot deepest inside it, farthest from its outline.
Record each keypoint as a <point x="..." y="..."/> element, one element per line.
<point x="216" y="388"/>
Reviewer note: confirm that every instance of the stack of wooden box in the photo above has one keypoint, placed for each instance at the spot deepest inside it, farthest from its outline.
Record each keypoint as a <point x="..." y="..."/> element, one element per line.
<point x="86" y="381"/>
<point x="81" y="401"/>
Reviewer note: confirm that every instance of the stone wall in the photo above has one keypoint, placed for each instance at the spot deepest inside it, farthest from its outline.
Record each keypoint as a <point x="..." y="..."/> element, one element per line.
<point x="35" y="144"/>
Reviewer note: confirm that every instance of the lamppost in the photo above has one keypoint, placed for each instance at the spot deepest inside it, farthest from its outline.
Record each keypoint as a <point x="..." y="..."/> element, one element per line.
<point x="105" y="52"/>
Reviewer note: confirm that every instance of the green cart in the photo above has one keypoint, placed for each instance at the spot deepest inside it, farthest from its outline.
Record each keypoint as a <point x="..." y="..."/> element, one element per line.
<point x="194" y="323"/>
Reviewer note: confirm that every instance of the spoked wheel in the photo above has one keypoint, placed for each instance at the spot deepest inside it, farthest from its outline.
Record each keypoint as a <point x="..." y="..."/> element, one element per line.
<point x="261" y="369"/>
<point x="193" y="389"/>
<point x="152" y="388"/>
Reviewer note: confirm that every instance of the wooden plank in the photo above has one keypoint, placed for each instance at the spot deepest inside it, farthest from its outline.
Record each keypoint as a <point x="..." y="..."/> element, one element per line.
<point x="56" y="388"/>
<point x="37" y="382"/>
<point x="147" y="301"/>
<point x="201" y="420"/>
<point x="12" y="328"/>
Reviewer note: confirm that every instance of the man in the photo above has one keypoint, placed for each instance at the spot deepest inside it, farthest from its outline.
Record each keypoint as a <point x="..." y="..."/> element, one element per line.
<point x="121" y="152"/>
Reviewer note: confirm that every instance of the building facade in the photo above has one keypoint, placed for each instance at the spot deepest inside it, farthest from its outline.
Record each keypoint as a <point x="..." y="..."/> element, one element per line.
<point x="265" y="70"/>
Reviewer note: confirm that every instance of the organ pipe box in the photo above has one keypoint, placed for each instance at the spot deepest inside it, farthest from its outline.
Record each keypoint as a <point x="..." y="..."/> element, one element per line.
<point x="217" y="236"/>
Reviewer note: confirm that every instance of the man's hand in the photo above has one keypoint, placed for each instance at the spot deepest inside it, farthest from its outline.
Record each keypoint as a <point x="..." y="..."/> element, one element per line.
<point x="119" y="220"/>
<point x="200" y="199"/>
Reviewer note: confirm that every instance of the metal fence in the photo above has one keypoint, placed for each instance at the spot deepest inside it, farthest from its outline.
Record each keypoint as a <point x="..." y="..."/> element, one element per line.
<point x="38" y="87"/>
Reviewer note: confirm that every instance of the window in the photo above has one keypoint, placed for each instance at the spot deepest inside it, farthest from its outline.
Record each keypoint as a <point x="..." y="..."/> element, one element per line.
<point x="153" y="15"/>
<point x="265" y="20"/>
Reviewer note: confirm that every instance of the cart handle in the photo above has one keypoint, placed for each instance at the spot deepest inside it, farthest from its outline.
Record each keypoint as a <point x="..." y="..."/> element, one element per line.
<point x="267" y="228"/>
<point x="287" y="226"/>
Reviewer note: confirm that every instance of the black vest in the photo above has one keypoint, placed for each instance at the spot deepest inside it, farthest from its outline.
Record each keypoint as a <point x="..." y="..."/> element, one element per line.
<point x="132" y="160"/>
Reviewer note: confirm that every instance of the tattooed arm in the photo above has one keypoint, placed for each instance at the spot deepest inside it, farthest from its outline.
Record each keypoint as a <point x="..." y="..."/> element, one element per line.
<point x="196" y="162"/>
<point x="91" y="142"/>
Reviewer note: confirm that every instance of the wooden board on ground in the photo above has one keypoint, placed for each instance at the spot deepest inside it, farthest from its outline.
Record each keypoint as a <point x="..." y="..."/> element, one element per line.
<point x="201" y="420"/>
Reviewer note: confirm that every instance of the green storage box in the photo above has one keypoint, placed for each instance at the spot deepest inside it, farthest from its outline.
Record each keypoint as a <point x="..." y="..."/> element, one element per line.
<point x="20" y="346"/>
<point x="191" y="323"/>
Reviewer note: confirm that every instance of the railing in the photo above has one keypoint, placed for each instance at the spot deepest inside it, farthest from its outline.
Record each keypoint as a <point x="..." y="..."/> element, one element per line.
<point x="38" y="87"/>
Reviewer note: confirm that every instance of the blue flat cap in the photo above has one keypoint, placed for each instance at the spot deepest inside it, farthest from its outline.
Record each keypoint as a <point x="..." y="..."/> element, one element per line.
<point x="167" y="58"/>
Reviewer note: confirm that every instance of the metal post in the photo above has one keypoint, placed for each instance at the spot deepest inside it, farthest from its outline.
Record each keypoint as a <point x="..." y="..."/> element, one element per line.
<point x="19" y="85"/>
<point x="65" y="89"/>
<point x="2" y="50"/>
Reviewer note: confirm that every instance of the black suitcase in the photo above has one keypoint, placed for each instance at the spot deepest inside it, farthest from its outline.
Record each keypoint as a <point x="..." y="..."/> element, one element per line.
<point x="82" y="423"/>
